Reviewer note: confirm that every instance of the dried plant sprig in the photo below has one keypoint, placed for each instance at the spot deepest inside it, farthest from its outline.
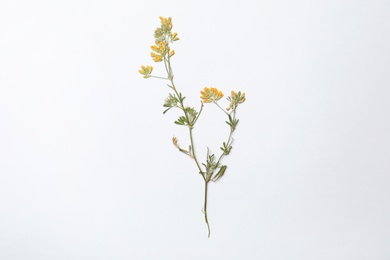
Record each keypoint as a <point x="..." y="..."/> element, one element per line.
<point x="212" y="169"/>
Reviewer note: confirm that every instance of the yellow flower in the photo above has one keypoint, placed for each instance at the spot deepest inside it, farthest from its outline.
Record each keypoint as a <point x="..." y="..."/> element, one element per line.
<point x="171" y="53"/>
<point x="174" y="37"/>
<point x="210" y="95"/>
<point x="240" y="97"/>
<point x="163" y="33"/>
<point x="146" y="71"/>
<point x="156" y="57"/>
<point x="166" y="23"/>
<point x="159" y="51"/>
<point x="235" y="99"/>
<point x="163" y="36"/>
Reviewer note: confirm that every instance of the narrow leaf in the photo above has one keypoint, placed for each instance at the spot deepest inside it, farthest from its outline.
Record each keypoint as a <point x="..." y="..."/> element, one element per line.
<point x="220" y="173"/>
<point x="166" y="110"/>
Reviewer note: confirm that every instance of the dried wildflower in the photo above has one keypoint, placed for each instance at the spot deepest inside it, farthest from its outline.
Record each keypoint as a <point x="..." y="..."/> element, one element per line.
<point x="146" y="71"/>
<point x="235" y="99"/>
<point x="210" y="95"/>
<point x="174" y="37"/>
<point x="166" y="24"/>
<point x="212" y="169"/>
<point x="159" y="51"/>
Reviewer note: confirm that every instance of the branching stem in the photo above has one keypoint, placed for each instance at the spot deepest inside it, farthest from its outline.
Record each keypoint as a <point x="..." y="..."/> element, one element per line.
<point x="162" y="52"/>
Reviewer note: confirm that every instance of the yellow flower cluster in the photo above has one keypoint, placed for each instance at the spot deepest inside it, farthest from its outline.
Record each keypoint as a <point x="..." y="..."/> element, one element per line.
<point x="235" y="99"/>
<point x="160" y="50"/>
<point x="146" y="71"/>
<point x="163" y="36"/>
<point x="210" y="95"/>
<point x="165" y="30"/>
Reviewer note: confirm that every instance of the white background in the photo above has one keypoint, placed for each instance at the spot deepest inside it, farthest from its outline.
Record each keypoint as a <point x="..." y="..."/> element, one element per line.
<point x="87" y="168"/>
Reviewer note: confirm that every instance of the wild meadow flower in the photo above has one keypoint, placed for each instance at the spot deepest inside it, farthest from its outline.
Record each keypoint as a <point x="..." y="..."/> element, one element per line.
<point x="235" y="99"/>
<point x="146" y="71"/>
<point x="159" y="51"/>
<point x="212" y="168"/>
<point x="210" y="95"/>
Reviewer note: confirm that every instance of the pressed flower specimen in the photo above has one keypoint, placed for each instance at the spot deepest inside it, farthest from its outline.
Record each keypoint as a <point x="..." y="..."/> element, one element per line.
<point x="212" y="169"/>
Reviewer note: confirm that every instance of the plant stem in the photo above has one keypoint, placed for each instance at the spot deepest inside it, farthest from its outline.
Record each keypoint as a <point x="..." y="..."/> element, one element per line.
<point x="157" y="77"/>
<point x="168" y="68"/>
<point x="229" y="140"/>
<point x="194" y="155"/>
<point x="206" y="177"/>
<point x="221" y="108"/>
<point x="205" y="206"/>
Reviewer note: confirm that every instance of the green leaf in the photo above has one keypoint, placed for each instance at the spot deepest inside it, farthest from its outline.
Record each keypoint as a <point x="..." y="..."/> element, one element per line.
<point x="232" y="123"/>
<point x="230" y="118"/>
<point x="171" y="101"/>
<point x="181" y="121"/>
<point x="191" y="114"/>
<point x="226" y="148"/>
<point x="166" y="110"/>
<point x="210" y="164"/>
<point x="181" y="98"/>
<point x="220" y="173"/>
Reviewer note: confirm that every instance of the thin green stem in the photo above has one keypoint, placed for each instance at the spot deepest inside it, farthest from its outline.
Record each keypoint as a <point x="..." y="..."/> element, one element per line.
<point x="223" y="154"/>
<point x="200" y="111"/>
<point x="193" y="152"/>
<point x="215" y="102"/>
<point x="228" y="142"/>
<point x="205" y="207"/>
<point x="157" y="77"/>
<point x="168" y="68"/>
<point x="206" y="177"/>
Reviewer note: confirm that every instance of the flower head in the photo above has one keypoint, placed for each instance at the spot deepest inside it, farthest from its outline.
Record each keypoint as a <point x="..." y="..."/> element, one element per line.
<point x="159" y="51"/>
<point x="173" y="37"/>
<point x="163" y="36"/>
<point x="235" y="99"/>
<point x="146" y="71"/>
<point x="210" y="95"/>
<point x="166" y="24"/>
<point x="163" y="33"/>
